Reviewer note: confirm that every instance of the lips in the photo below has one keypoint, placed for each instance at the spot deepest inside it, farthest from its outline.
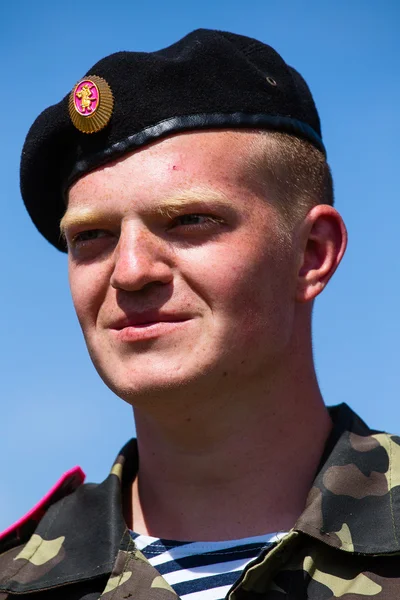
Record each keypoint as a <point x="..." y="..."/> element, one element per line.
<point x="148" y="318"/>
<point x="147" y="326"/>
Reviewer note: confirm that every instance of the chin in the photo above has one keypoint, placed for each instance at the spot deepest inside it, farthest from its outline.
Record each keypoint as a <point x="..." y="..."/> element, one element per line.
<point x="135" y="380"/>
<point x="160" y="371"/>
<point x="138" y="392"/>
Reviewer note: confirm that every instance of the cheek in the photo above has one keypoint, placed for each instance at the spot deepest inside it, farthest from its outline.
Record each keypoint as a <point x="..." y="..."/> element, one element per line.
<point x="261" y="312"/>
<point x="248" y="283"/>
<point x="88" y="287"/>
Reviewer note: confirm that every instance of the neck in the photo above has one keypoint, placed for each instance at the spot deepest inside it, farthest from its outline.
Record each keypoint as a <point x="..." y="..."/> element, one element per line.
<point x="231" y="465"/>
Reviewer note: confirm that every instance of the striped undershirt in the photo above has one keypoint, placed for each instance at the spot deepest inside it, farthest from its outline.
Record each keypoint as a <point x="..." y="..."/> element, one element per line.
<point x="202" y="570"/>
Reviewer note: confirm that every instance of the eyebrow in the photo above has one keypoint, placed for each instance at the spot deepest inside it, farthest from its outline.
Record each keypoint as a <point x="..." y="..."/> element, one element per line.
<point x="199" y="195"/>
<point x="81" y="217"/>
<point x="86" y="216"/>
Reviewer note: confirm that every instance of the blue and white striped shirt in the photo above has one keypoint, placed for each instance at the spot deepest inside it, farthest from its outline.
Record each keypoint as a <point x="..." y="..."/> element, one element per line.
<point x="202" y="570"/>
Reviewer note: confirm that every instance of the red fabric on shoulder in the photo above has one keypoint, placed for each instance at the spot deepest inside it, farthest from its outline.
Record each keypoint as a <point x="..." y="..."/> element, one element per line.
<point x="22" y="529"/>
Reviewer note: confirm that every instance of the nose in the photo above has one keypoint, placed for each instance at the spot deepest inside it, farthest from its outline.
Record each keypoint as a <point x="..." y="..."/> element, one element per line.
<point x="140" y="258"/>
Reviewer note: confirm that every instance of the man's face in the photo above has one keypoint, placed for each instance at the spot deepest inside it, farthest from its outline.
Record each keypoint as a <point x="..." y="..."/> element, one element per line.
<point x="178" y="269"/>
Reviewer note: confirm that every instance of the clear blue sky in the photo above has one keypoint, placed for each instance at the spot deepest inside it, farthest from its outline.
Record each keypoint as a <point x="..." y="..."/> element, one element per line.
<point x="55" y="411"/>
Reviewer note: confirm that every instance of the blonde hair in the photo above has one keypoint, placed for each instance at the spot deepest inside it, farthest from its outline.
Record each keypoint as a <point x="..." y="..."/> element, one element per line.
<point x="295" y="172"/>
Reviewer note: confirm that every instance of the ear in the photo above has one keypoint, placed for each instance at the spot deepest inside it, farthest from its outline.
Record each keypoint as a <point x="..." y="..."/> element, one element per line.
<point x="323" y="238"/>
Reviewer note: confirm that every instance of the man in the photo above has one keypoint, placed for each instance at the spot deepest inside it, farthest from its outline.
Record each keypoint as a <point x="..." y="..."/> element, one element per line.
<point x="191" y="191"/>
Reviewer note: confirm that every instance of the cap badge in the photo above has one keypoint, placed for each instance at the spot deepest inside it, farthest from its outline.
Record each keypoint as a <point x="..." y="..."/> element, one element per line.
<point x="91" y="104"/>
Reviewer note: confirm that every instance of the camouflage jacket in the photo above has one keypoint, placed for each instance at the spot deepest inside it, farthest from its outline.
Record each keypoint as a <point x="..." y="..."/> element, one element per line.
<point x="345" y="544"/>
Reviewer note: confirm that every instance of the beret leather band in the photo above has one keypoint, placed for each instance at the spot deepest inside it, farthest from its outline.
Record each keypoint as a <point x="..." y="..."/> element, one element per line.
<point x="192" y="122"/>
<point x="207" y="80"/>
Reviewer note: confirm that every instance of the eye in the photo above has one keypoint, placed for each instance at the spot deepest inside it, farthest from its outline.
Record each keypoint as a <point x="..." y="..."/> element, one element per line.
<point x="196" y="221"/>
<point x="87" y="236"/>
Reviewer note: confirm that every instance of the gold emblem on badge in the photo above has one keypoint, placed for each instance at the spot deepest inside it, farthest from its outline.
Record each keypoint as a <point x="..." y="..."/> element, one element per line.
<point x="91" y="104"/>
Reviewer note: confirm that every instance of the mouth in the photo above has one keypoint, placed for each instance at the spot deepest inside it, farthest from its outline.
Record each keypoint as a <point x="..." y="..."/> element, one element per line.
<point x="140" y="328"/>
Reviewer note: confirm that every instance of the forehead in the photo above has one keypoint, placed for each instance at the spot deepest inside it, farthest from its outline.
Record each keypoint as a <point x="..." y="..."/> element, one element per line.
<point x="215" y="159"/>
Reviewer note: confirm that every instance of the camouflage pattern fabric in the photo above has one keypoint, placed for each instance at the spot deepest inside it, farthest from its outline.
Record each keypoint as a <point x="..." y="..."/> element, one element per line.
<point x="345" y="544"/>
<point x="26" y="526"/>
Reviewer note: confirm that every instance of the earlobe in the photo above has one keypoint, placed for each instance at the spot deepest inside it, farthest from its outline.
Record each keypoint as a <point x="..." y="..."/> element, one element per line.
<point x="324" y="240"/>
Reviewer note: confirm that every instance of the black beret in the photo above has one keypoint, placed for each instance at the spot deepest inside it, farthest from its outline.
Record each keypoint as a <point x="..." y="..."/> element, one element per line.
<point x="207" y="80"/>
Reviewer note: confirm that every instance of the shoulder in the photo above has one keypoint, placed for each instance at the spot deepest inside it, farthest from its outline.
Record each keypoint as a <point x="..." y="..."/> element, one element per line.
<point x="20" y="532"/>
<point x="71" y="537"/>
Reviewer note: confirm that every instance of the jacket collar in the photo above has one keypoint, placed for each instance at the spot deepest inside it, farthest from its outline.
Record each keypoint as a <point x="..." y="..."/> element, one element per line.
<point x="78" y="538"/>
<point x="353" y="505"/>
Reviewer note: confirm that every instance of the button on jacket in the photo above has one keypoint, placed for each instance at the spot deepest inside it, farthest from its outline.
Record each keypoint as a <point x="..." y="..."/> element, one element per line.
<point x="345" y="545"/>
